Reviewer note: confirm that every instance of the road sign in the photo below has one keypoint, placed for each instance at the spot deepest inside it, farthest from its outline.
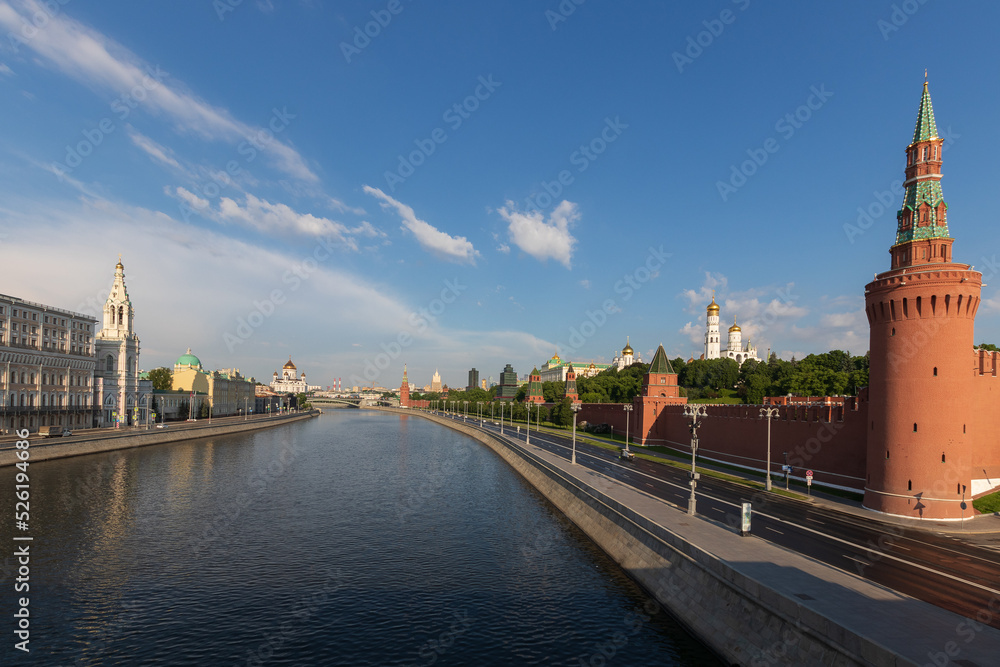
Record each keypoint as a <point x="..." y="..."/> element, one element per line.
<point x="809" y="473"/>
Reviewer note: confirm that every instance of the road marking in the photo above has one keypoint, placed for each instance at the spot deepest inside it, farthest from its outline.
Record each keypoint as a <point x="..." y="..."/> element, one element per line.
<point x="774" y="529"/>
<point x="885" y="555"/>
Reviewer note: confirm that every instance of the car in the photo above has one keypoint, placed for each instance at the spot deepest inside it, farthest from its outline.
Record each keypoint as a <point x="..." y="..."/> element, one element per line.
<point x="626" y="455"/>
<point x="161" y="425"/>
<point x="67" y="432"/>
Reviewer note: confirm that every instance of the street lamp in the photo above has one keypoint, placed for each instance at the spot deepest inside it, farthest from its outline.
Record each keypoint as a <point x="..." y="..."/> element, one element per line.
<point x="769" y="413"/>
<point x="527" y="428"/>
<point x="628" y="412"/>
<point x="694" y="412"/>
<point x="466" y="410"/>
<point x="479" y="404"/>
<point x="575" y="407"/>
<point x="501" y="417"/>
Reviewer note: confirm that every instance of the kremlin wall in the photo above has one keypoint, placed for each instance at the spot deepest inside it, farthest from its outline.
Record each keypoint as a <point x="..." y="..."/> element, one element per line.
<point x="923" y="439"/>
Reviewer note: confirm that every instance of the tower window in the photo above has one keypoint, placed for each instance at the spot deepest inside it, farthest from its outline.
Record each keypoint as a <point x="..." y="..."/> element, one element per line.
<point x="887" y="454"/>
<point x="935" y="371"/>
<point x="963" y="428"/>
<point x="909" y="485"/>
<point x="893" y="331"/>
<point x="942" y="457"/>
<point x="914" y="427"/>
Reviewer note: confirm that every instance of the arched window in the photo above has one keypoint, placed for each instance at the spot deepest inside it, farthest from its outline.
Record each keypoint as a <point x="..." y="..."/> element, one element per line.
<point x="45" y="400"/>
<point x="109" y="363"/>
<point x="32" y="378"/>
<point x="925" y="153"/>
<point x="121" y="317"/>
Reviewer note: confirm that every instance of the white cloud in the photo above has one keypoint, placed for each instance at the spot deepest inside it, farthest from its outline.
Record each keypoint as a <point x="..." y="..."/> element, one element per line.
<point x="700" y="298"/>
<point x="191" y="199"/>
<point x="95" y="60"/>
<point x="6" y="71"/>
<point x="503" y="248"/>
<point x="452" y="248"/>
<point x="277" y="219"/>
<point x="694" y="332"/>
<point x="153" y="149"/>
<point x="540" y="239"/>
<point x="585" y="284"/>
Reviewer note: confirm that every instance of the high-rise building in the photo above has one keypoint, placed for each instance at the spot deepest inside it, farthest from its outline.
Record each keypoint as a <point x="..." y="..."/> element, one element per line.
<point x="508" y="384"/>
<point x="473" y="379"/>
<point x="436" y="382"/>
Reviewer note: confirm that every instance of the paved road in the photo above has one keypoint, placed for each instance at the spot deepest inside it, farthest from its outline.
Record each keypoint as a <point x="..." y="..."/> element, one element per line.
<point x="940" y="569"/>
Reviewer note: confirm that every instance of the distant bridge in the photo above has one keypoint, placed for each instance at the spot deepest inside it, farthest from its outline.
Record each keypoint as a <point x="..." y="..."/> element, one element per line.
<point x="325" y="402"/>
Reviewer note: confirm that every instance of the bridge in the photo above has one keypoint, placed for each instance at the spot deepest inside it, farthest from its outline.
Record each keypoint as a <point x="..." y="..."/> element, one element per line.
<point x="326" y="402"/>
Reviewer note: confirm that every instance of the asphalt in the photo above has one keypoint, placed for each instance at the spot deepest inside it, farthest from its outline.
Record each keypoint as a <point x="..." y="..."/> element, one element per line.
<point x="918" y="632"/>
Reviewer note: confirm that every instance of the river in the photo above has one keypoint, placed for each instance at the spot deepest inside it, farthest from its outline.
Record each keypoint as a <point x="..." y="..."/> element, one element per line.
<point x="358" y="538"/>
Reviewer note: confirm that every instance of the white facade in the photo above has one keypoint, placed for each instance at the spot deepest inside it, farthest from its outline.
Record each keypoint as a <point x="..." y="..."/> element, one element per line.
<point x="289" y="381"/>
<point x="46" y="366"/>
<point x="734" y="345"/>
<point x="121" y="396"/>
<point x="626" y="358"/>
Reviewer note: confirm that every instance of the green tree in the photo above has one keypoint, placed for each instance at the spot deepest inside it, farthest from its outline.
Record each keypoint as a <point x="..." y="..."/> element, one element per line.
<point x="562" y="413"/>
<point x="203" y="412"/>
<point x="162" y="378"/>
<point x="989" y="347"/>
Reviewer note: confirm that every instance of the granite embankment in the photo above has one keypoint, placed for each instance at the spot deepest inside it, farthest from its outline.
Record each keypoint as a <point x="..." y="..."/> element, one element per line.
<point x="107" y="440"/>
<point x="752" y="602"/>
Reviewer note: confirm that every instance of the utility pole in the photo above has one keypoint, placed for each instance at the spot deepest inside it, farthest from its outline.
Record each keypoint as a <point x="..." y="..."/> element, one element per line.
<point x="695" y="412"/>
<point x="575" y="407"/>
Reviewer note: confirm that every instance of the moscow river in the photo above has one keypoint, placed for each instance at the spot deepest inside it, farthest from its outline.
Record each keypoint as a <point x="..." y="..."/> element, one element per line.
<point x="359" y="538"/>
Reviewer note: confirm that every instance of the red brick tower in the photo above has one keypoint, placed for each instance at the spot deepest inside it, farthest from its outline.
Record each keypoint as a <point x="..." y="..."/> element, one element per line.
<point x="571" y="385"/>
<point x="921" y="313"/>
<point x="535" y="387"/>
<point x="404" y="391"/>
<point x="659" y="389"/>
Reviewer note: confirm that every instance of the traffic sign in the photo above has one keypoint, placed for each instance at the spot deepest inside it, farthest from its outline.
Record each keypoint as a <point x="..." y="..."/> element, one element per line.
<point x="809" y="474"/>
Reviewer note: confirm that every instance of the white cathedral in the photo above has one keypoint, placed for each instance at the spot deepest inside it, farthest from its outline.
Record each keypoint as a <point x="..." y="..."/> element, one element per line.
<point x="627" y="357"/>
<point x="734" y="346"/>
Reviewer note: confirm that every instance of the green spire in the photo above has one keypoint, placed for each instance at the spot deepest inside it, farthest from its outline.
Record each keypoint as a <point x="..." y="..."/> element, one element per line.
<point x="926" y="127"/>
<point x="660" y="363"/>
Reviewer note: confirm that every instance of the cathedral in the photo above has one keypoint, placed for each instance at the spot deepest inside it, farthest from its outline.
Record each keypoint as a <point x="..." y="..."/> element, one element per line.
<point x="289" y="382"/>
<point x="734" y="345"/>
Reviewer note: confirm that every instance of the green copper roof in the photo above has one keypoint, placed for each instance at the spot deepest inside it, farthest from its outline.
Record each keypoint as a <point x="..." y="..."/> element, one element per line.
<point x="926" y="127"/>
<point x="660" y="363"/>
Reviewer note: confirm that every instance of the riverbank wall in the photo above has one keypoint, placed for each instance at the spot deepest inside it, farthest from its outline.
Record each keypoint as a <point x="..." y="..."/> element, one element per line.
<point x="45" y="449"/>
<point x="741" y="618"/>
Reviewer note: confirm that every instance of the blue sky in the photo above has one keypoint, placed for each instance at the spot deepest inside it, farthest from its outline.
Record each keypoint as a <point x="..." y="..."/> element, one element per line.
<point x="471" y="183"/>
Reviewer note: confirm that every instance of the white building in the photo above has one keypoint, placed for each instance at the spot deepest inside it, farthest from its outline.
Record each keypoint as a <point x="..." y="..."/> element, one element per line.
<point x="121" y="396"/>
<point x="289" y="382"/>
<point x="734" y="345"/>
<point x="46" y="366"/>
<point x="626" y="358"/>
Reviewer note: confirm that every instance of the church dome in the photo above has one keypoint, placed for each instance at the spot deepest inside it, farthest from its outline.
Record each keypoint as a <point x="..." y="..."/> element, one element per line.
<point x="188" y="359"/>
<point x="734" y="328"/>
<point x="289" y="364"/>
<point x="627" y="350"/>
<point x="713" y="308"/>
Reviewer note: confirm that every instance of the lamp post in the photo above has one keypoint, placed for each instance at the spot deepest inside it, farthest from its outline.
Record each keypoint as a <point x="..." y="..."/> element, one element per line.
<point x="527" y="427"/>
<point x="575" y="407"/>
<point x="768" y="413"/>
<point x="466" y="410"/>
<point x="694" y="412"/>
<point x="479" y="404"/>
<point x="501" y="417"/>
<point x="246" y="404"/>
<point x="628" y="412"/>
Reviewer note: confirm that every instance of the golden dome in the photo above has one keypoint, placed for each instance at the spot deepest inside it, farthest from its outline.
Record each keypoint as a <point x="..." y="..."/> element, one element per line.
<point x="735" y="327"/>
<point x="627" y="350"/>
<point x="713" y="308"/>
<point x="289" y="365"/>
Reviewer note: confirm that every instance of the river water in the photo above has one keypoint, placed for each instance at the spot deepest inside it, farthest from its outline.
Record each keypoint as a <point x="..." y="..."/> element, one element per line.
<point x="359" y="538"/>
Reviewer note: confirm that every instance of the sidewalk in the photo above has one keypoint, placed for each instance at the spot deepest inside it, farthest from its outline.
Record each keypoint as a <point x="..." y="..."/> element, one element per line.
<point x="918" y="632"/>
